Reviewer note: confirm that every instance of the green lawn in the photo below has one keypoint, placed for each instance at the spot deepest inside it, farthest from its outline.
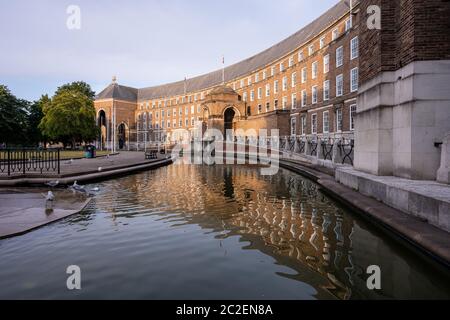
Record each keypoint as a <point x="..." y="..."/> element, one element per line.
<point x="79" y="154"/>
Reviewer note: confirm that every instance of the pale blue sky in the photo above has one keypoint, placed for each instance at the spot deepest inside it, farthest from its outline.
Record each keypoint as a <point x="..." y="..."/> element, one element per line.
<point x="144" y="43"/>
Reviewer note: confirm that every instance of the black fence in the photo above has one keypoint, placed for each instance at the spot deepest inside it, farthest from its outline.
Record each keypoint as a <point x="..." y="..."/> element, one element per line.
<point x="22" y="161"/>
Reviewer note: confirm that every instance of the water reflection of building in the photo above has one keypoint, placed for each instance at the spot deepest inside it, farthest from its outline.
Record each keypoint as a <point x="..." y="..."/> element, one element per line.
<point x="283" y="216"/>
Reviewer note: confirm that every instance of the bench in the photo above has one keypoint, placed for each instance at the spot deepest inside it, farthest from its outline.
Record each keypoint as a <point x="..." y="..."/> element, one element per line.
<point x="151" y="155"/>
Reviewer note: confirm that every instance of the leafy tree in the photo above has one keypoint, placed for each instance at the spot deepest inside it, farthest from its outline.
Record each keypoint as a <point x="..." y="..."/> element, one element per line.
<point x="13" y="117"/>
<point x="35" y="115"/>
<point x="79" y="86"/>
<point x="69" y="117"/>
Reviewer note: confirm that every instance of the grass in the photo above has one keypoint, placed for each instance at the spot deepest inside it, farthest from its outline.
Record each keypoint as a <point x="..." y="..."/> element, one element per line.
<point x="65" y="155"/>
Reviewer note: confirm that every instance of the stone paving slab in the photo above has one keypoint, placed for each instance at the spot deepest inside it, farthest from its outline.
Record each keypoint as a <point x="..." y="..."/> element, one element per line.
<point x="25" y="210"/>
<point x="87" y="166"/>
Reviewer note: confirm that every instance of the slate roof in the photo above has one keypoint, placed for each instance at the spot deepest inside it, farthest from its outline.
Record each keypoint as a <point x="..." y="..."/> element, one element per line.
<point x="235" y="71"/>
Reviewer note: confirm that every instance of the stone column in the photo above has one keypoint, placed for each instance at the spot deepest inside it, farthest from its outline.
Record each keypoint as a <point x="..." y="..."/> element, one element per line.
<point x="403" y="96"/>
<point x="443" y="174"/>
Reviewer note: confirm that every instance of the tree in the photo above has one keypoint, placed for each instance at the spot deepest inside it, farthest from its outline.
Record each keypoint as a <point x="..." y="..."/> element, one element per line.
<point x="69" y="117"/>
<point x="35" y="115"/>
<point x="13" y="117"/>
<point x="79" y="86"/>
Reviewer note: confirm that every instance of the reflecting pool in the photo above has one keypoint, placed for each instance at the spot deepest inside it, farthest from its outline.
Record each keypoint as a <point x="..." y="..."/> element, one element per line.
<point x="214" y="232"/>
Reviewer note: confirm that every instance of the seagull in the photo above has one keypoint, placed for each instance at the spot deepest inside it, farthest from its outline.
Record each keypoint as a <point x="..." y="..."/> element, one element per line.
<point x="50" y="196"/>
<point x="100" y="169"/>
<point x="96" y="189"/>
<point x="77" y="187"/>
<point x="70" y="161"/>
<point x="52" y="184"/>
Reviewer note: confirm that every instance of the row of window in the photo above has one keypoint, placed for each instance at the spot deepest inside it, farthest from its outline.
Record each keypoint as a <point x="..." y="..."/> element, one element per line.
<point x="174" y="112"/>
<point x="315" y="93"/>
<point x="354" y="53"/>
<point x="170" y="124"/>
<point x="325" y="122"/>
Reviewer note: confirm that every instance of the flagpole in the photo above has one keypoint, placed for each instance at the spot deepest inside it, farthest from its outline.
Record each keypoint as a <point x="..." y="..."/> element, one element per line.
<point x="223" y="69"/>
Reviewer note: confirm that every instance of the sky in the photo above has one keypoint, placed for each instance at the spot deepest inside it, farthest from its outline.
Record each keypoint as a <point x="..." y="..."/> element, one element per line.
<point x="142" y="42"/>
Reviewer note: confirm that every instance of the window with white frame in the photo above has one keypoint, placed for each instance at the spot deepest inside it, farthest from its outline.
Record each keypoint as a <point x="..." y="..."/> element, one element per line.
<point x="300" y="56"/>
<point x="259" y="108"/>
<point x="303" y="125"/>
<point x="311" y="50"/>
<point x="267" y="90"/>
<point x="192" y="109"/>
<point x="322" y="42"/>
<point x="267" y="106"/>
<point x="242" y="83"/>
<point x="326" y="122"/>
<point x="249" y="81"/>
<point x="275" y="104"/>
<point x="315" y="69"/>
<point x="314" y="94"/>
<point x="169" y="123"/>
<point x="291" y="62"/>
<point x="284" y="103"/>
<point x="264" y="75"/>
<point x="294" y="79"/>
<point x="339" y="85"/>
<point x="348" y="24"/>
<point x="281" y="67"/>
<point x="186" y="122"/>
<point x="304" y="98"/>
<point x="354" y="79"/>
<point x="326" y="90"/>
<point x="354" y="48"/>
<point x="352" y="116"/>
<point x="314" y="123"/>
<point x="304" y="74"/>
<point x="257" y="77"/>
<point x="181" y="111"/>
<point x="285" y="83"/>
<point x="339" y="57"/>
<point x="259" y="93"/>
<point x="294" y="101"/>
<point x="339" y="120"/>
<point x="335" y="34"/>
<point x="326" y="63"/>
<point x="293" y="126"/>
<point x="272" y="71"/>
<point x="245" y="96"/>
<point x="252" y="95"/>
<point x="275" y="87"/>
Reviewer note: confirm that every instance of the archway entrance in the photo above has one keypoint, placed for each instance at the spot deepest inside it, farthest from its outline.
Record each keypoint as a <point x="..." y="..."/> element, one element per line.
<point x="103" y="130"/>
<point x="228" y="119"/>
<point x="122" y="136"/>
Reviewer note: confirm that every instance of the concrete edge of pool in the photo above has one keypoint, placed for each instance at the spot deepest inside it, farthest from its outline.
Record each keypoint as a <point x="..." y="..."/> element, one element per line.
<point x="15" y="220"/>
<point x="86" y="177"/>
<point x="430" y="240"/>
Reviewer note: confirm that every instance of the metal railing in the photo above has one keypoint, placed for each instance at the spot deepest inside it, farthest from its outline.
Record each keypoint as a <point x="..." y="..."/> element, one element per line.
<point x="22" y="161"/>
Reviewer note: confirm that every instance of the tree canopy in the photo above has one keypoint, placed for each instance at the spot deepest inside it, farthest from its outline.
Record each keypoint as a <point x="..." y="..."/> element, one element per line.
<point x="13" y="117"/>
<point x="69" y="116"/>
<point x="79" y="86"/>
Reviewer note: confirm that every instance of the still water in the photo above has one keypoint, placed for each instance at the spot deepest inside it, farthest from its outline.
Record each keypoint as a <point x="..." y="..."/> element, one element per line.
<point x="214" y="232"/>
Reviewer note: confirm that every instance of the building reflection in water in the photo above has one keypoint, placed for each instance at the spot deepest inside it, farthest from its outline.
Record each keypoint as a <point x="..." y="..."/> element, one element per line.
<point x="284" y="216"/>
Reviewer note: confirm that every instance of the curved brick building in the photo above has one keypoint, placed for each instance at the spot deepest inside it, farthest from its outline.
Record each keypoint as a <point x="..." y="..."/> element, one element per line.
<point x="305" y="84"/>
<point x="378" y="68"/>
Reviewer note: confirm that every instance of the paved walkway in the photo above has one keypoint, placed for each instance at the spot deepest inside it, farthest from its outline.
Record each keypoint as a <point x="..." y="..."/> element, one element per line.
<point x="25" y="209"/>
<point x="84" y="170"/>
